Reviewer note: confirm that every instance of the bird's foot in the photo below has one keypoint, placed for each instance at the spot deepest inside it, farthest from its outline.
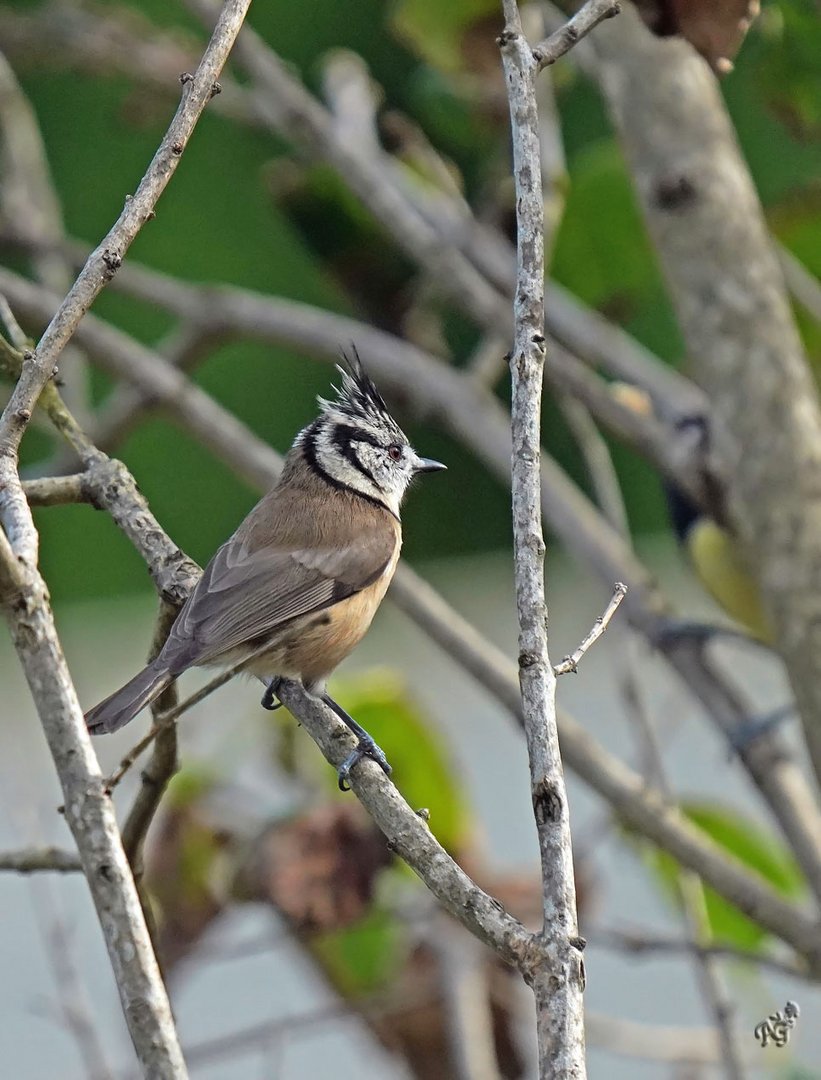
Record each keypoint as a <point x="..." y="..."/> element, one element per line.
<point x="269" y="698"/>
<point x="365" y="748"/>
<point x="757" y="726"/>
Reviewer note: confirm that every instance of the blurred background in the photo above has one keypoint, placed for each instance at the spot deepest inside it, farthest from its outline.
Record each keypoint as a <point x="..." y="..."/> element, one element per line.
<point x="278" y="968"/>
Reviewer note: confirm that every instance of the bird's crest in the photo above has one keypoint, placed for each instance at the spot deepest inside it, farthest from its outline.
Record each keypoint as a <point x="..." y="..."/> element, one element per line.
<point x="357" y="400"/>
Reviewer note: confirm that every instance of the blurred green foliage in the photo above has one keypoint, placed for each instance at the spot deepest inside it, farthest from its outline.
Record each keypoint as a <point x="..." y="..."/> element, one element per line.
<point x="220" y="221"/>
<point x="751" y="845"/>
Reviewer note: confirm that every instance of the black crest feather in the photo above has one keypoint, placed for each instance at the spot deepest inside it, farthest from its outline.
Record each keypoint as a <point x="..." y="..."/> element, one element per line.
<point x="358" y="388"/>
<point x="357" y="398"/>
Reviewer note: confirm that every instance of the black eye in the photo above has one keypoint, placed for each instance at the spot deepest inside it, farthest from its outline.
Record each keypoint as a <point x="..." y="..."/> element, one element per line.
<point x="395" y="452"/>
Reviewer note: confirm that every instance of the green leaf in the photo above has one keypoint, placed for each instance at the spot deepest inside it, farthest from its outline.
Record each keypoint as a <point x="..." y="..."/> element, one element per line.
<point x="751" y="845"/>
<point x="362" y="958"/>
<point x="437" y="31"/>
<point x="189" y="786"/>
<point x="790" y="73"/>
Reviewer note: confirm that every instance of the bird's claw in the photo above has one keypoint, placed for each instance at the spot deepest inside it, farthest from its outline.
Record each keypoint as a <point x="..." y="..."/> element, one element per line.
<point x="269" y="698"/>
<point x="365" y="748"/>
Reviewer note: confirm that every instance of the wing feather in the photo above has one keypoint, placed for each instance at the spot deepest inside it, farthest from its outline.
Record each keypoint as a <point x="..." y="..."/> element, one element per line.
<point x="244" y="594"/>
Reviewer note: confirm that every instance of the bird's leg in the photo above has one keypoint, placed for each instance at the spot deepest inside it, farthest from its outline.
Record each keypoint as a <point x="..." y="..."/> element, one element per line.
<point x="269" y="698"/>
<point x="366" y="747"/>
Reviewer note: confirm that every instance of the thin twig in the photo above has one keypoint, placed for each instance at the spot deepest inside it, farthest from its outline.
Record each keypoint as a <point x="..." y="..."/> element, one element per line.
<point x="463" y="970"/>
<point x="56" y="490"/>
<point x="169" y="717"/>
<point x="156" y="775"/>
<point x="571" y="663"/>
<point x="74" y="1004"/>
<point x="106" y="259"/>
<point x="16" y="335"/>
<point x="29" y="198"/>
<point x="563" y="40"/>
<point x="32" y="860"/>
<point x="715" y="992"/>
<point x="803" y="285"/>
<point x="642" y="943"/>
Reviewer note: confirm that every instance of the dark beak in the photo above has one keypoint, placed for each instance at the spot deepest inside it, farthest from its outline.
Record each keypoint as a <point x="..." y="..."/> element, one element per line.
<point x="427" y="464"/>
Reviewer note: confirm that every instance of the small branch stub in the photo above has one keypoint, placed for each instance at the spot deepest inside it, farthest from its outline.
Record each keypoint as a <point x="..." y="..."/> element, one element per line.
<point x="571" y="663"/>
<point x="586" y="19"/>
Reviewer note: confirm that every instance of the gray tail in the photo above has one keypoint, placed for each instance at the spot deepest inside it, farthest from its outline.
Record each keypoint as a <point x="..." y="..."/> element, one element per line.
<point x="124" y="704"/>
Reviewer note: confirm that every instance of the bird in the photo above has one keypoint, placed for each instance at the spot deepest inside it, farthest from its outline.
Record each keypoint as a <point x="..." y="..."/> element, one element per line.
<point x="295" y="588"/>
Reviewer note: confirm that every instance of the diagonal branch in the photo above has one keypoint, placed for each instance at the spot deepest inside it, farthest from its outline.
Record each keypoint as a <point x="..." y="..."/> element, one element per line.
<point x="105" y="260"/>
<point x="562" y="41"/>
<point x="89" y="811"/>
<point x="697" y="195"/>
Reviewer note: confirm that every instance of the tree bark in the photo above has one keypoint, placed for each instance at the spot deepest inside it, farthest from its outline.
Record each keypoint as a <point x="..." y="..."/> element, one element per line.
<point x="708" y="227"/>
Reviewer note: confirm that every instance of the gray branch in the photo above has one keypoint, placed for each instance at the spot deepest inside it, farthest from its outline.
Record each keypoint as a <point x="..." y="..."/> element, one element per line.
<point x="32" y="860"/>
<point x="558" y="983"/>
<point x="563" y="40"/>
<point x="89" y="811"/>
<point x="90" y="816"/>
<point x="728" y="289"/>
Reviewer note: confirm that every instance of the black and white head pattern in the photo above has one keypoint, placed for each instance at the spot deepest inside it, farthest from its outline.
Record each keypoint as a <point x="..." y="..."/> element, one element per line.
<point x="356" y="444"/>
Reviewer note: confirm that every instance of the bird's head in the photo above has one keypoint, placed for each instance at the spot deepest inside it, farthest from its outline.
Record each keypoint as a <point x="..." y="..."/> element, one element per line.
<point x="357" y="444"/>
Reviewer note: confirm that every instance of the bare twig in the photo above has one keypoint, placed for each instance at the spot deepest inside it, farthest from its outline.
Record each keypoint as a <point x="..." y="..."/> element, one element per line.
<point x="713" y="985"/>
<point x="643" y="943"/>
<point x="168" y="718"/>
<point x="157" y="774"/>
<point x="690" y="891"/>
<point x="29" y="199"/>
<point x="463" y="964"/>
<point x="56" y="490"/>
<point x="563" y="40"/>
<point x="571" y="663"/>
<point x="32" y="860"/>
<point x="73" y="1002"/>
